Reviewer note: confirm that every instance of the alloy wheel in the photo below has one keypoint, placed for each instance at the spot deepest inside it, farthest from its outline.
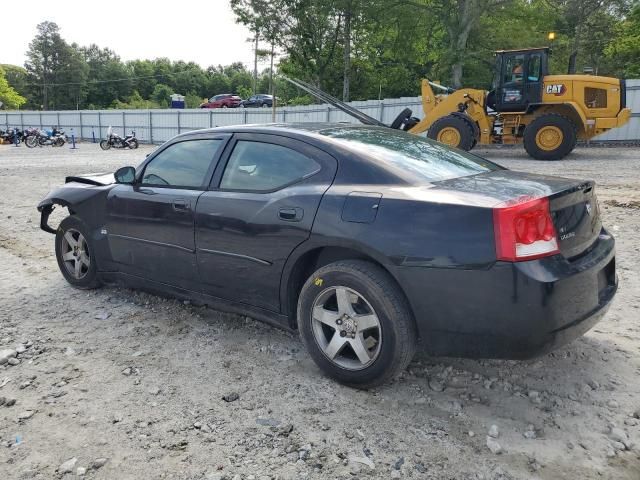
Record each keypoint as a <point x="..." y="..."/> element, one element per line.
<point x="346" y="328"/>
<point x="75" y="254"/>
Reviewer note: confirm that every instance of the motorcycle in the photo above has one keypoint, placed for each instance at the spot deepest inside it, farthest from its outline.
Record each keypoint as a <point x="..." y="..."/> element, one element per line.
<point x="116" y="141"/>
<point x="9" y="136"/>
<point x="53" y="137"/>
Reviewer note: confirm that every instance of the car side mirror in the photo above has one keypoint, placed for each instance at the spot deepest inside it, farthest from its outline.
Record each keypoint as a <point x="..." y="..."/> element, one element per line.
<point x="125" y="175"/>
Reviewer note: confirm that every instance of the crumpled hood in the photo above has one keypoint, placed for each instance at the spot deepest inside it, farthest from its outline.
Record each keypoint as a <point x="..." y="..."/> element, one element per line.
<point x="92" y="178"/>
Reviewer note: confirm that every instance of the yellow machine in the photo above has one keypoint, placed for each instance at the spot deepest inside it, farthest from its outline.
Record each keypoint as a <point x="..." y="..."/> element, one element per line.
<point x="548" y="113"/>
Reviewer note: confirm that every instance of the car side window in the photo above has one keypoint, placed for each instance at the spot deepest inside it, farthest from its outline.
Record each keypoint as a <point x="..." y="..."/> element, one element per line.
<point x="263" y="167"/>
<point x="183" y="164"/>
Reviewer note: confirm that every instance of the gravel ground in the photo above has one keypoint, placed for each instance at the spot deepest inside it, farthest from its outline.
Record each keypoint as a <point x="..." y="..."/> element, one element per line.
<point x="115" y="383"/>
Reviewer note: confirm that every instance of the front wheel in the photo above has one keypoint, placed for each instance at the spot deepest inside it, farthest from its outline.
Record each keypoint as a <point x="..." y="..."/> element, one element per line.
<point x="59" y="142"/>
<point x="31" y="141"/>
<point x="75" y="254"/>
<point x="105" y="145"/>
<point x="133" y="143"/>
<point x="356" y="324"/>
<point x="453" y="130"/>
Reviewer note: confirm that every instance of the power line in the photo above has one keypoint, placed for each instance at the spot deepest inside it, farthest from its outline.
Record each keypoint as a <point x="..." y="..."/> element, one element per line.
<point x="115" y="80"/>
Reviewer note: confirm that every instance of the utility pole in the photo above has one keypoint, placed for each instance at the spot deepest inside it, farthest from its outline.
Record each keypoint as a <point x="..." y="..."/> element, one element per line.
<point x="271" y="88"/>
<point x="347" y="51"/>
<point x="255" y="66"/>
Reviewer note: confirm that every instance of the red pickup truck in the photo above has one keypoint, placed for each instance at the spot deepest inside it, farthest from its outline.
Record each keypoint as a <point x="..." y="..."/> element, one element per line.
<point x="225" y="100"/>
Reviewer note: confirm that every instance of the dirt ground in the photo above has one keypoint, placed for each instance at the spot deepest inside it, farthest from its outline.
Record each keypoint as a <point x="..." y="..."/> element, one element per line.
<point x="118" y="384"/>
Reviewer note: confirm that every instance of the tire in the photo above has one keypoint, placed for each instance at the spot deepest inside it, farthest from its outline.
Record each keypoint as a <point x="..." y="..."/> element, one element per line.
<point x="225" y="106"/>
<point x="59" y="142"/>
<point x="264" y="105"/>
<point x="403" y="117"/>
<point x="31" y="141"/>
<point x="74" y="268"/>
<point x="454" y="131"/>
<point x="105" y="145"/>
<point x="550" y="137"/>
<point x="133" y="144"/>
<point x="388" y="347"/>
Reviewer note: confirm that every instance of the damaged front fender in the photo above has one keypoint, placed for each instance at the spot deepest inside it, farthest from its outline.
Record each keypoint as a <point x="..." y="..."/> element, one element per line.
<point x="75" y="196"/>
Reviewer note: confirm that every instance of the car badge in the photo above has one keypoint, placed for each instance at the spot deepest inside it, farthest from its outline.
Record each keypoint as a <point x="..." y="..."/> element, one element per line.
<point x="588" y="207"/>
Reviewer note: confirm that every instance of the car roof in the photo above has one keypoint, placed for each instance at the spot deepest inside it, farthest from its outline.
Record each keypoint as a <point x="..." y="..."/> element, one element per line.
<point x="311" y="129"/>
<point x="311" y="132"/>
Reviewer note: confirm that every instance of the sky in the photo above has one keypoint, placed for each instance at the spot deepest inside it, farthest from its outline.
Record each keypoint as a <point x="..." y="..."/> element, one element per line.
<point x="201" y="31"/>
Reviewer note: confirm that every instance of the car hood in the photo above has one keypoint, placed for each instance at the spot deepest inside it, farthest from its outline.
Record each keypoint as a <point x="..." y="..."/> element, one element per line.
<point x="92" y="179"/>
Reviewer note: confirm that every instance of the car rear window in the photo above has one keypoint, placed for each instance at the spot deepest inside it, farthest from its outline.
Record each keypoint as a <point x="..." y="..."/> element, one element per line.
<point x="411" y="156"/>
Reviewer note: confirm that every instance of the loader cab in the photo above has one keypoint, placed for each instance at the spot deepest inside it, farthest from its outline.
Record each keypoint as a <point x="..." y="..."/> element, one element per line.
<point x="518" y="79"/>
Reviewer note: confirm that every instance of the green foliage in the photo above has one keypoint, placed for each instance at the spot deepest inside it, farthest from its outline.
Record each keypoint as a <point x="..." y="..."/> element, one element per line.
<point x="8" y="96"/>
<point x="624" y="49"/>
<point x="162" y="95"/>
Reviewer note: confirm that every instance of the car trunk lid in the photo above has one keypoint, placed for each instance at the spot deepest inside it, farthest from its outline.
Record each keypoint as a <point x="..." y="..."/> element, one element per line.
<point x="573" y="204"/>
<point x="576" y="217"/>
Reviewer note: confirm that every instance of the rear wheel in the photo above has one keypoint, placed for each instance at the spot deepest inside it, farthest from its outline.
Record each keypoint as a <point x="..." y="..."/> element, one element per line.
<point x="356" y="323"/>
<point x="105" y="145"/>
<point x="550" y="137"/>
<point x="75" y="254"/>
<point x="31" y="141"/>
<point x="454" y="131"/>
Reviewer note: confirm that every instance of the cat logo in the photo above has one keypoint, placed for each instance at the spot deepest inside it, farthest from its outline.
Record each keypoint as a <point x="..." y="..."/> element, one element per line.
<point x="556" y="89"/>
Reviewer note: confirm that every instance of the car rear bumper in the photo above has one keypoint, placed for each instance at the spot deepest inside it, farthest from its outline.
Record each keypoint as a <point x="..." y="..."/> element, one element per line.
<point x="511" y="310"/>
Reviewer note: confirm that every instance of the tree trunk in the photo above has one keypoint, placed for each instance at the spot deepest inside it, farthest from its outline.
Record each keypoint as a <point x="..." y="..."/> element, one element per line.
<point x="468" y="13"/>
<point x="347" y="52"/>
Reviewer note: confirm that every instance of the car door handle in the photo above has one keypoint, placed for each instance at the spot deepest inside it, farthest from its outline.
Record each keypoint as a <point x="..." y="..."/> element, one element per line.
<point x="180" y="205"/>
<point x="294" y="214"/>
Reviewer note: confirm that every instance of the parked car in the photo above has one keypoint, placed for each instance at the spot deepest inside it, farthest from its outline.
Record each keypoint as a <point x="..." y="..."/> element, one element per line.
<point x="260" y="100"/>
<point x="225" y="100"/>
<point x="371" y="242"/>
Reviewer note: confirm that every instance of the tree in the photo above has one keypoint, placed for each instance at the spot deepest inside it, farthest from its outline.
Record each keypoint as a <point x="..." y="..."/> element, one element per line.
<point x="624" y="48"/>
<point x="108" y="77"/>
<point x="56" y="70"/>
<point x="9" y="98"/>
<point x="162" y="95"/>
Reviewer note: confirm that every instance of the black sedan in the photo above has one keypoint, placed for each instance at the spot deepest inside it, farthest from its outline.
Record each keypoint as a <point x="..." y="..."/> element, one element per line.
<point x="369" y="241"/>
<point x="260" y="100"/>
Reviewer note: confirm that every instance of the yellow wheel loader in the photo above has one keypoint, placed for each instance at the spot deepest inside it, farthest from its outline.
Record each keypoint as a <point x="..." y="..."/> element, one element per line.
<point x="548" y="113"/>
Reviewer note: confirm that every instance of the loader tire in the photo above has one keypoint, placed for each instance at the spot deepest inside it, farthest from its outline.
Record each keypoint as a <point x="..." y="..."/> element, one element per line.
<point x="550" y="137"/>
<point x="454" y="131"/>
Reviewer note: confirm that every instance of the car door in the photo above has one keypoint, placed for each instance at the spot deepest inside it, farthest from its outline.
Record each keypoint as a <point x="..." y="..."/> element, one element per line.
<point x="151" y="223"/>
<point x="262" y="204"/>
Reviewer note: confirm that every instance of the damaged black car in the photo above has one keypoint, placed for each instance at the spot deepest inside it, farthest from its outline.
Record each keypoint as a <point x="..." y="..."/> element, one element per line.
<point x="370" y="242"/>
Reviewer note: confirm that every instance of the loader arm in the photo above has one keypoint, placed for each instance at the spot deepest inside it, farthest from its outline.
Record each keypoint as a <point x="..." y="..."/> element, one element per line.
<point x="437" y="106"/>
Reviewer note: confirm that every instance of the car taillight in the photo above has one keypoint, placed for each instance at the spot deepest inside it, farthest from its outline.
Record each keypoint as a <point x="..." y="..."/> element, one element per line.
<point x="524" y="231"/>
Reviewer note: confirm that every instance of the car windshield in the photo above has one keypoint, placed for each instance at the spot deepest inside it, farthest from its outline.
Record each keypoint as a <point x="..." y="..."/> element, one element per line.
<point x="412" y="156"/>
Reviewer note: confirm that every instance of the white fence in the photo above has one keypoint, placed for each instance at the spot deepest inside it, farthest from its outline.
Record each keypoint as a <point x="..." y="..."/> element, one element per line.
<point x="156" y="126"/>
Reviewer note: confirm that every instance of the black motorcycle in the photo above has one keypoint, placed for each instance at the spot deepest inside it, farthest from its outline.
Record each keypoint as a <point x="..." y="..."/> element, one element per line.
<point x="54" y="137"/>
<point x="116" y="141"/>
